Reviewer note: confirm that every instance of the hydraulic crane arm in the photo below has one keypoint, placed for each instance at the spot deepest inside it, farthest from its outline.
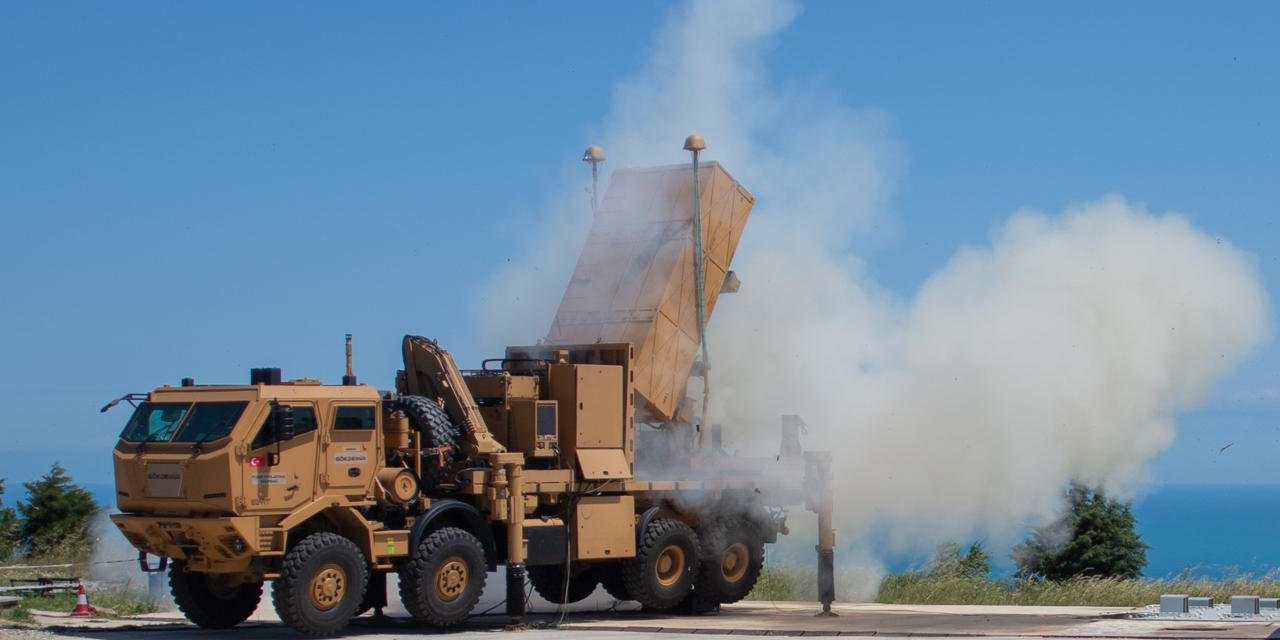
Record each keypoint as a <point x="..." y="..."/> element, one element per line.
<point x="431" y="372"/>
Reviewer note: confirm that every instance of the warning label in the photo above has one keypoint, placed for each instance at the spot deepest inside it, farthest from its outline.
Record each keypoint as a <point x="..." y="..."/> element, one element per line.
<point x="351" y="455"/>
<point x="267" y="478"/>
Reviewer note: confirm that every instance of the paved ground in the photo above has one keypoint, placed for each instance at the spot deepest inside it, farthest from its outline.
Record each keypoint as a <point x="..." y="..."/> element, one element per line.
<point x="753" y="619"/>
<point x="598" y="619"/>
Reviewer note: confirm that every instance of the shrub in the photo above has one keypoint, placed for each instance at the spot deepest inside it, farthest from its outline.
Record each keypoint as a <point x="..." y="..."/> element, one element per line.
<point x="8" y="527"/>
<point x="948" y="561"/>
<point x="1097" y="537"/>
<point x="56" y="515"/>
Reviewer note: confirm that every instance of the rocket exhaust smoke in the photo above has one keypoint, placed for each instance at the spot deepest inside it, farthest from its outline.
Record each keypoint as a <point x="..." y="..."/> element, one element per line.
<point x="1063" y="349"/>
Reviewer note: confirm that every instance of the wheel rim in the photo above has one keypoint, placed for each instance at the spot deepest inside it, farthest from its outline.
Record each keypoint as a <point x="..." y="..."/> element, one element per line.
<point x="733" y="565"/>
<point x="670" y="565"/>
<point x="451" y="579"/>
<point x="328" y="586"/>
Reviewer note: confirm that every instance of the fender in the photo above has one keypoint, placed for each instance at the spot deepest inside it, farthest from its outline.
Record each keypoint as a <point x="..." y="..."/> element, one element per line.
<point x="643" y="523"/>
<point x="459" y="513"/>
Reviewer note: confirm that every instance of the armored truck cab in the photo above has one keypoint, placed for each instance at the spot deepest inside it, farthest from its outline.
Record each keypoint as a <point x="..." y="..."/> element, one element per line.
<point x="212" y="459"/>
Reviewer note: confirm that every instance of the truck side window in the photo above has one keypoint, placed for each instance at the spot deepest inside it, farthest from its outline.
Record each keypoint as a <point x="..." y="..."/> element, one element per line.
<point x="353" y="418"/>
<point x="304" y="421"/>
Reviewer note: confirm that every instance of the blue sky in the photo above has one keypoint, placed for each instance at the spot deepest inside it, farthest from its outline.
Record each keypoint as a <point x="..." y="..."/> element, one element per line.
<point x="196" y="189"/>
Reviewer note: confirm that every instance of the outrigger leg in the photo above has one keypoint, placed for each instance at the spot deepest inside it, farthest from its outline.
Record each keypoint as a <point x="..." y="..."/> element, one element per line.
<point x="515" y="539"/>
<point x="819" y="499"/>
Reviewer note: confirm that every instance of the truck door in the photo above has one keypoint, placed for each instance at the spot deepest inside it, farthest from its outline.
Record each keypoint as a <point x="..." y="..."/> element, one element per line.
<point x="350" y="458"/>
<point x="290" y="481"/>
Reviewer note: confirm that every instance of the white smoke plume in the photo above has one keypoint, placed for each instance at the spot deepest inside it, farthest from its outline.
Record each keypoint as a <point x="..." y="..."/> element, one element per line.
<point x="114" y="560"/>
<point x="1062" y="350"/>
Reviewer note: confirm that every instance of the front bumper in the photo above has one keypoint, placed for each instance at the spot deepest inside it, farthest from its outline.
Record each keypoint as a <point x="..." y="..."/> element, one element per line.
<point x="215" y="545"/>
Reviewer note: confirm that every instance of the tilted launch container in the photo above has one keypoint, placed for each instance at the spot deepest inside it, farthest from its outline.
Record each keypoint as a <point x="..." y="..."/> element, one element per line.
<point x="634" y="281"/>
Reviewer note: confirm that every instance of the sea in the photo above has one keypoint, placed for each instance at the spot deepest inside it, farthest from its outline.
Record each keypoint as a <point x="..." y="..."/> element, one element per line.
<point x="1210" y="530"/>
<point x="1193" y="530"/>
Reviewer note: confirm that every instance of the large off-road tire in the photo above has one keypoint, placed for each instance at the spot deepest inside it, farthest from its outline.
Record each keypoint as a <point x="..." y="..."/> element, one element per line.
<point x="730" y="558"/>
<point x="321" y="584"/>
<point x="444" y="577"/>
<point x="548" y="581"/>
<point x="610" y="574"/>
<point x="665" y="567"/>
<point x="377" y="581"/>
<point x="210" y="600"/>
<point x="428" y="418"/>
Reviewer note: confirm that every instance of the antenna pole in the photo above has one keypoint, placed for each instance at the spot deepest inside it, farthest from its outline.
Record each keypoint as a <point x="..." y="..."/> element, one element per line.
<point x="694" y="144"/>
<point x="595" y="155"/>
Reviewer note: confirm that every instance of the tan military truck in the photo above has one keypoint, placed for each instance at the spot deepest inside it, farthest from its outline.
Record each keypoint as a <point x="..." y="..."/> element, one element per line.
<point x="528" y="462"/>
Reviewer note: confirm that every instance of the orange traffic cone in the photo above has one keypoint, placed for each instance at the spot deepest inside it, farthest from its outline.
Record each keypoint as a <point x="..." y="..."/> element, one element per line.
<point x="82" y="610"/>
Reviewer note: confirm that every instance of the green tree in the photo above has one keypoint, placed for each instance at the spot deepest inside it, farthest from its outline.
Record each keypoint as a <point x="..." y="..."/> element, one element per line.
<point x="56" y="514"/>
<point x="1097" y="536"/>
<point x="8" y="527"/>
<point x="949" y="561"/>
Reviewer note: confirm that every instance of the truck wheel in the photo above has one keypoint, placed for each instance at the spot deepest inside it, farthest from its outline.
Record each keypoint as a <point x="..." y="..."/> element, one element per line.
<point x="322" y="581"/>
<point x="548" y="581"/>
<point x="211" y="600"/>
<point x="731" y="557"/>
<point x="375" y="594"/>
<point x="428" y="418"/>
<point x="665" y="566"/>
<point x="442" y="581"/>
<point x="610" y="574"/>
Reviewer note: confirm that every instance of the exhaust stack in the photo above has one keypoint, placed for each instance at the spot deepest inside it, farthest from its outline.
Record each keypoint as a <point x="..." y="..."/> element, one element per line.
<point x="349" y="380"/>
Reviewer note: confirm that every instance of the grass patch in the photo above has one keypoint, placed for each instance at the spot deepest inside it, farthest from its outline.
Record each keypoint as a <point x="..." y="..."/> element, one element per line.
<point x="922" y="587"/>
<point x="786" y="583"/>
<point x="109" y="602"/>
<point x="800" y="584"/>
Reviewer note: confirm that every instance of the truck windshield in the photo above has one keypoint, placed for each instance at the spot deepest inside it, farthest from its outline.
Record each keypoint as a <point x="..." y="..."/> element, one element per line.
<point x="182" y="421"/>
<point x="209" y="421"/>
<point x="155" y="421"/>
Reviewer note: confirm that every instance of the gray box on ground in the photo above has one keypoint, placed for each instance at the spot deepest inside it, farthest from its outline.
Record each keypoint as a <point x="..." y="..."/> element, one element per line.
<point x="1244" y="604"/>
<point x="1173" y="603"/>
<point x="1269" y="603"/>
<point x="1199" y="601"/>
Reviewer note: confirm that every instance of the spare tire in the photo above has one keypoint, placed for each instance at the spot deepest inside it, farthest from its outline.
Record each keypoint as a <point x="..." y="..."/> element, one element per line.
<point x="429" y="419"/>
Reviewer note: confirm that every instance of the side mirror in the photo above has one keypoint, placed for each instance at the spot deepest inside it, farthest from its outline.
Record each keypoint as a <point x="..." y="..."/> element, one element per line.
<point x="282" y="420"/>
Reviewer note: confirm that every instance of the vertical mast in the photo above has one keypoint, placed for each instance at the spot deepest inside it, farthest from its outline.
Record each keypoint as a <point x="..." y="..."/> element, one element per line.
<point x="694" y="144"/>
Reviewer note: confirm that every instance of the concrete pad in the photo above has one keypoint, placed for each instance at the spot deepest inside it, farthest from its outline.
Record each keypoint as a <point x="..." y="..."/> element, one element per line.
<point x="793" y="619"/>
<point x="1174" y="603"/>
<point x="1247" y="605"/>
<point x="770" y="618"/>
<point x="599" y="618"/>
<point x="752" y="618"/>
